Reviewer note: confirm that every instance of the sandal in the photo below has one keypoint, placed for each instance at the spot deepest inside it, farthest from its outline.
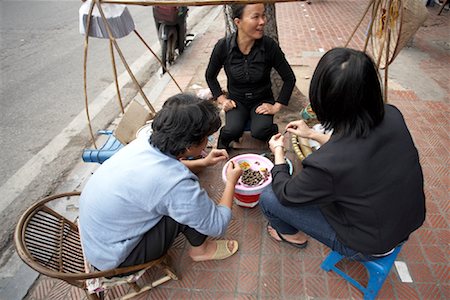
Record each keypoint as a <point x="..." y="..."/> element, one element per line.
<point x="282" y="239"/>
<point x="222" y="250"/>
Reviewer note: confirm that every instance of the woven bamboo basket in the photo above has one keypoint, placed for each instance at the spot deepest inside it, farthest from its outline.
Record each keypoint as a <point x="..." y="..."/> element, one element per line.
<point x="405" y="18"/>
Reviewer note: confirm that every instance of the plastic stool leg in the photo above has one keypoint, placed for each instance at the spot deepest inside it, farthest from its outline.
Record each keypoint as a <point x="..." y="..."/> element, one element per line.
<point x="332" y="259"/>
<point x="376" y="280"/>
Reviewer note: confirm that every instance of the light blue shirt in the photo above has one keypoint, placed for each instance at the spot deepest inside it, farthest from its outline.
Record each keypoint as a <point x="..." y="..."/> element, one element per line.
<point x="131" y="192"/>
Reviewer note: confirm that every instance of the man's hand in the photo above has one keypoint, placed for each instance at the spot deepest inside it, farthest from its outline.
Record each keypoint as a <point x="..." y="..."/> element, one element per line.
<point x="233" y="172"/>
<point x="215" y="156"/>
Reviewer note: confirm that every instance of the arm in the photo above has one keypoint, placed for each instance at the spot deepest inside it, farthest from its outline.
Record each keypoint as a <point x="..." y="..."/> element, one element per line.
<point x="233" y="174"/>
<point x="286" y="73"/>
<point x="283" y="68"/>
<point x="276" y="145"/>
<point x="213" y="157"/>
<point x="215" y="64"/>
<point x="312" y="184"/>
<point x="302" y="130"/>
<point x="189" y="204"/>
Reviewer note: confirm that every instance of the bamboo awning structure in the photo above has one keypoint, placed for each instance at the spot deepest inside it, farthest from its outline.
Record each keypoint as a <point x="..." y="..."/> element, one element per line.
<point x="114" y="46"/>
<point x="189" y="2"/>
<point x="392" y="23"/>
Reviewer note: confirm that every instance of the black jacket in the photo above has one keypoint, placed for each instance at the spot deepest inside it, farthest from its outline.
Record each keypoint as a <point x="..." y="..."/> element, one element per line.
<point x="249" y="75"/>
<point x="369" y="189"/>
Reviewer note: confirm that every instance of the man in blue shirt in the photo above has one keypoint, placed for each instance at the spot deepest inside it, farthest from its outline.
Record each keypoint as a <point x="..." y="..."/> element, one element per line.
<point x="139" y="200"/>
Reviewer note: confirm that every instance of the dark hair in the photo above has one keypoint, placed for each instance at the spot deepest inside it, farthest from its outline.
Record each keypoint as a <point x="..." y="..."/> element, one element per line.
<point x="183" y="121"/>
<point x="237" y="10"/>
<point x="345" y="92"/>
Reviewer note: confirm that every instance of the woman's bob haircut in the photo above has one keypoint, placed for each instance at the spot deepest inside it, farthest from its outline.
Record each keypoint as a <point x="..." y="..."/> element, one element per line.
<point x="346" y="94"/>
<point x="183" y="121"/>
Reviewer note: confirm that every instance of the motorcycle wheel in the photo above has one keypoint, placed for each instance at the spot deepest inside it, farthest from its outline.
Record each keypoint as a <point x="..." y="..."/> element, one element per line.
<point x="171" y="48"/>
<point x="168" y="52"/>
<point x="164" y="55"/>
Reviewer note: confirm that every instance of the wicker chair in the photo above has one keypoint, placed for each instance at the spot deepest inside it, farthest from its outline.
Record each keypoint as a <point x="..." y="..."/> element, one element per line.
<point x="50" y="244"/>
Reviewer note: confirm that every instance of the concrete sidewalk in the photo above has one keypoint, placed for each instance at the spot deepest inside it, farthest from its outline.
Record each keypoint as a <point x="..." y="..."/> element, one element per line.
<point x="418" y="86"/>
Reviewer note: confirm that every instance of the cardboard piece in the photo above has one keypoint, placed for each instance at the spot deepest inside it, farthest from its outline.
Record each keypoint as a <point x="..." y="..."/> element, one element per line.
<point x="134" y="118"/>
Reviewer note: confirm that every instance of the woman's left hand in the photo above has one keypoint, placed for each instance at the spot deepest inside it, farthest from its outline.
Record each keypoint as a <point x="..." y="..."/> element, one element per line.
<point x="215" y="156"/>
<point x="277" y="141"/>
<point x="276" y="145"/>
<point x="268" y="109"/>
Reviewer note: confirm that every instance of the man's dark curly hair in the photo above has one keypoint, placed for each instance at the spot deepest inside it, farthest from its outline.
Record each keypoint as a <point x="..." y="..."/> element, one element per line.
<point x="184" y="120"/>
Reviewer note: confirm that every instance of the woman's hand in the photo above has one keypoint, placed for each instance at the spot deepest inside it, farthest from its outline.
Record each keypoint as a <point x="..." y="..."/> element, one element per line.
<point x="268" y="109"/>
<point x="276" y="145"/>
<point x="300" y="129"/>
<point x="215" y="156"/>
<point x="227" y="104"/>
<point x="233" y="172"/>
<point x="277" y="141"/>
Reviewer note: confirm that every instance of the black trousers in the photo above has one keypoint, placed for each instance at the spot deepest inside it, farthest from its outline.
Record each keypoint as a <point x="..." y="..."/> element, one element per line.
<point x="157" y="241"/>
<point x="262" y="126"/>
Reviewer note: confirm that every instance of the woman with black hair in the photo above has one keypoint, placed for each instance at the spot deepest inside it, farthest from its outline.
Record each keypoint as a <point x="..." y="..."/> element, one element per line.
<point x="248" y="57"/>
<point x="139" y="200"/>
<point x="361" y="193"/>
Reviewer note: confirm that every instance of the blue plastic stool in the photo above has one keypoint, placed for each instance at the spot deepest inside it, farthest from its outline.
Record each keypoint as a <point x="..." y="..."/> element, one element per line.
<point x="111" y="146"/>
<point x="378" y="270"/>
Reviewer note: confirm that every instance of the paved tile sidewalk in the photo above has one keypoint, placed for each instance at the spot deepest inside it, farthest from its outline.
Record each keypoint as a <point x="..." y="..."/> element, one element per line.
<point x="264" y="269"/>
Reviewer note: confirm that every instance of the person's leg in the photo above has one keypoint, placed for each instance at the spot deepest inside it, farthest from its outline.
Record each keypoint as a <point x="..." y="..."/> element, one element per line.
<point x="203" y="249"/>
<point x="289" y="220"/>
<point x="155" y="243"/>
<point x="235" y="120"/>
<point x="262" y="126"/>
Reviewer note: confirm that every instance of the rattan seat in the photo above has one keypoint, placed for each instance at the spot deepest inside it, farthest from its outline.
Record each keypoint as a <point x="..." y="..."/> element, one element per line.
<point x="50" y="244"/>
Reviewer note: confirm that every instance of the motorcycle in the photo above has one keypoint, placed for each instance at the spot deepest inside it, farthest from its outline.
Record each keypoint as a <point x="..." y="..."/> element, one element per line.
<point x="170" y="22"/>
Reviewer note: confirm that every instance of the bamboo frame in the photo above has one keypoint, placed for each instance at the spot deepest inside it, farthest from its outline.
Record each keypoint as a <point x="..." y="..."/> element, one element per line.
<point x="113" y="45"/>
<point x="189" y="2"/>
<point x="386" y="41"/>
<point x="43" y="231"/>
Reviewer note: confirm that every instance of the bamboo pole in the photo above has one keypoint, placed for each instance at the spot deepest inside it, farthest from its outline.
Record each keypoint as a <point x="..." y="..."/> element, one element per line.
<point x="159" y="60"/>
<point x="189" y="2"/>
<point x="127" y="67"/>
<point x="376" y="4"/>
<point x="86" y="103"/>
<point x="116" y="80"/>
<point x="359" y="23"/>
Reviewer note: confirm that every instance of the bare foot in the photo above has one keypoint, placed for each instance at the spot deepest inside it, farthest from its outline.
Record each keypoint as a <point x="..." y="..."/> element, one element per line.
<point x="209" y="250"/>
<point x="298" y="238"/>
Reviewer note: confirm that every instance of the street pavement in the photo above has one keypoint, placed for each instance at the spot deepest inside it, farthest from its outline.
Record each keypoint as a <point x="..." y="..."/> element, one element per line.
<point x="418" y="86"/>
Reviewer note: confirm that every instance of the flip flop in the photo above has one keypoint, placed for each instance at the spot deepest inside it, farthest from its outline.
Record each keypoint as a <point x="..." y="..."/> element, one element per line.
<point x="296" y="245"/>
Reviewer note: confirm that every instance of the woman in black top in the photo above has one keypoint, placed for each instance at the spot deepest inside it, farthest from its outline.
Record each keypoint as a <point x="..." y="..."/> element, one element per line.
<point x="248" y="57"/>
<point x="361" y="193"/>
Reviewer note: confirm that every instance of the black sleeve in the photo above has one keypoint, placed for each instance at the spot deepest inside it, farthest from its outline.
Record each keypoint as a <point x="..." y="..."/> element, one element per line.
<point x="215" y="64"/>
<point x="283" y="68"/>
<point x="312" y="184"/>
